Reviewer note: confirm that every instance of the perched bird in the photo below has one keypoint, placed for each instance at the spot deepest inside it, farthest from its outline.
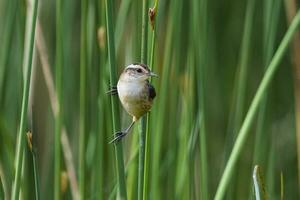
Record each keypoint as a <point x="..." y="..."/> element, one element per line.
<point x="135" y="93"/>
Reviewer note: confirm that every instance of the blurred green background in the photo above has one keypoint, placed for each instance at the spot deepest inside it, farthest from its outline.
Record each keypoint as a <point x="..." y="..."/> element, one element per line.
<point x="210" y="57"/>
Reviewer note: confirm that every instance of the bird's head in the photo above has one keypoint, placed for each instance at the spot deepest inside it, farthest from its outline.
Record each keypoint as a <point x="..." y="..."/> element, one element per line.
<point x="137" y="72"/>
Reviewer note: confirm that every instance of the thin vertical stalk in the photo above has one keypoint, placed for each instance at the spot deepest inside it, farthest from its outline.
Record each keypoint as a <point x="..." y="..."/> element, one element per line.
<point x="43" y="54"/>
<point x="100" y="166"/>
<point x="281" y="186"/>
<point x="122" y="193"/>
<point x="121" y="21"/>
<point x="269" y="38"/>
<point x="144" y="121"/>
<point x="152" y="15"/>
<point x="263" y="141"/>
<point x="291" y="9"/>
<point x="162" y="108"/>
<point x="177" y="60"/>
<point x="1" y="189"/>
<point x="243" y="68"/>
<point x="4" y="52"/>
<point x="203" y="153"/>
<point x="28" y="54"/>
<point x="243" y="133"/>
<point x="82" y="100"/>
<point x="201" y="55"/>
<point x="270" y="174"/>
<point x="262" y="138"/>
<point x="58" y="118"/>
<point x="34" y="163"/>
<point x="131" y="171"/>
<point x="36" y="177"/>
<point x="263" y="147"/>
<point x="146" y="159"/>
<point x="236" y="117"/>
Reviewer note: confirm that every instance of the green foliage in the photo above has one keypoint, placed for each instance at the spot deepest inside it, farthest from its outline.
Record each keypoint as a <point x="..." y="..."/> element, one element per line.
<point x="215" y="61"/>
<point x="27" y="66"/>
<point x="1" y="190"/>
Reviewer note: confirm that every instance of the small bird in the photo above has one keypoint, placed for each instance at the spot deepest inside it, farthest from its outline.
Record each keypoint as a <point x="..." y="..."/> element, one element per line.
<point x="135" y="93"/>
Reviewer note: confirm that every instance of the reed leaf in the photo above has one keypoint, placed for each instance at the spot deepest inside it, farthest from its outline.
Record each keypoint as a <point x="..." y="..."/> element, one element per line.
<point x="28" y="54"/>
<point x="243" y="133"/>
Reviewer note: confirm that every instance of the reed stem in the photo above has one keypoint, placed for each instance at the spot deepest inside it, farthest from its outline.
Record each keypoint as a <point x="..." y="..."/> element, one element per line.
<point x="122" y="192"/>
<point x="58" y="118"/>
<point x="1" y="189"/>
<point x="243" y="133"/>
<point x="82" y="100"/>
<point x="291" y="9"/>
<point x="4" y="53"/>
<point x="28" y="54"/>
<point x="144" y="120"/>
<point x="152" y="15"/>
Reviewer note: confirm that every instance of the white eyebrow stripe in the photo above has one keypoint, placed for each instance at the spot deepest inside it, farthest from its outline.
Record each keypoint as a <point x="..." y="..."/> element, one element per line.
<point x="134" y="66"/>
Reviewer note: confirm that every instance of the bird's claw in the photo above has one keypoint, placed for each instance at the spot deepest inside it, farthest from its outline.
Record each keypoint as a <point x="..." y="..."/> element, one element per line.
<point x="112" y="90"/>
<point x="117" y="137"/>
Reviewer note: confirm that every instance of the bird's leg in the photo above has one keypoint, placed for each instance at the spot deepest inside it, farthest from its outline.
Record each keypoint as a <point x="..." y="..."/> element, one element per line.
<point x="119" y="135"/>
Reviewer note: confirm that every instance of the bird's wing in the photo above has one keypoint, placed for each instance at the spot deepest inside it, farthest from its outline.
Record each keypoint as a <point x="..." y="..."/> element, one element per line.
<point x="113" y="91"/>
<point x="151" y="91"/>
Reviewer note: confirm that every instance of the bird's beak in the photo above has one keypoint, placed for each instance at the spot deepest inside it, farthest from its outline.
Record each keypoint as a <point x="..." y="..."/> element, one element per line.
<point x="153" y="74"/>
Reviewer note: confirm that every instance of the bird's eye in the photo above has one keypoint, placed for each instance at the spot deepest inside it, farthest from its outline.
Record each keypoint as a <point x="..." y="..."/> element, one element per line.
<point x="139" y="70"/>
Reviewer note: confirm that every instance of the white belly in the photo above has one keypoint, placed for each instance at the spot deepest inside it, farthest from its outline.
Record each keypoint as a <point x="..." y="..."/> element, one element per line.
<point x="131" y="97"/>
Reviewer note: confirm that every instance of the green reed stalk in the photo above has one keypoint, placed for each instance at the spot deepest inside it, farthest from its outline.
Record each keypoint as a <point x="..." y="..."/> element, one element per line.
<point x="121" y="21"/>
<point x="291" y="9"/>
<point x="36" y="177"/>
<point x="144" y="120"/>
<point x="8" y="32"/>
<point x="28" y="54"/>
<point x="65" y="143"/>
<point x="131" y="171"/>
<point x="199" y="9"/>
<point x="82" y="100"/>
<point x="243" y="68"/>
<point x="202" y="54"/>
<point x="281" y="186"/>
<point x="58" y="118"/>
<point x="101" y="114"/>
<point x="122" y="193"/>
<point x="270" y="171"/>
<point x="32" y="150"/>
<point x="263" y="141"/>
<point x="175" y="150"/>
<point x="147" y="138"/>
<point x="1" y="189"/>
<point x="262" y="138"/>
<point x="243" y="133"/>
<point x="162" y="108"/>
<point x="238" y="111"/>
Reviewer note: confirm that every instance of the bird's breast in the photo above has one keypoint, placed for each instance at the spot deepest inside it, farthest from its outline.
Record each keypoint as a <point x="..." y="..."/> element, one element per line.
<point x="129" y="91"/>
<point x="134" y="97"/>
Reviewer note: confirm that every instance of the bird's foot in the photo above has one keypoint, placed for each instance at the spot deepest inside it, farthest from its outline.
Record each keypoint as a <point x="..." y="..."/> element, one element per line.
<point x="112" y="91"/>
<point x="118" y="136"/>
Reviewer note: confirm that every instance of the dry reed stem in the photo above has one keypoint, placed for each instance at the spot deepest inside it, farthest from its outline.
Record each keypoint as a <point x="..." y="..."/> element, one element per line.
<point x="42" y="50"/>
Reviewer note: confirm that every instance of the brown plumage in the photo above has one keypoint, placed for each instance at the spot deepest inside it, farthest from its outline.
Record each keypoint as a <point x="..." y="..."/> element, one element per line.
<point x="135" y="93"/>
